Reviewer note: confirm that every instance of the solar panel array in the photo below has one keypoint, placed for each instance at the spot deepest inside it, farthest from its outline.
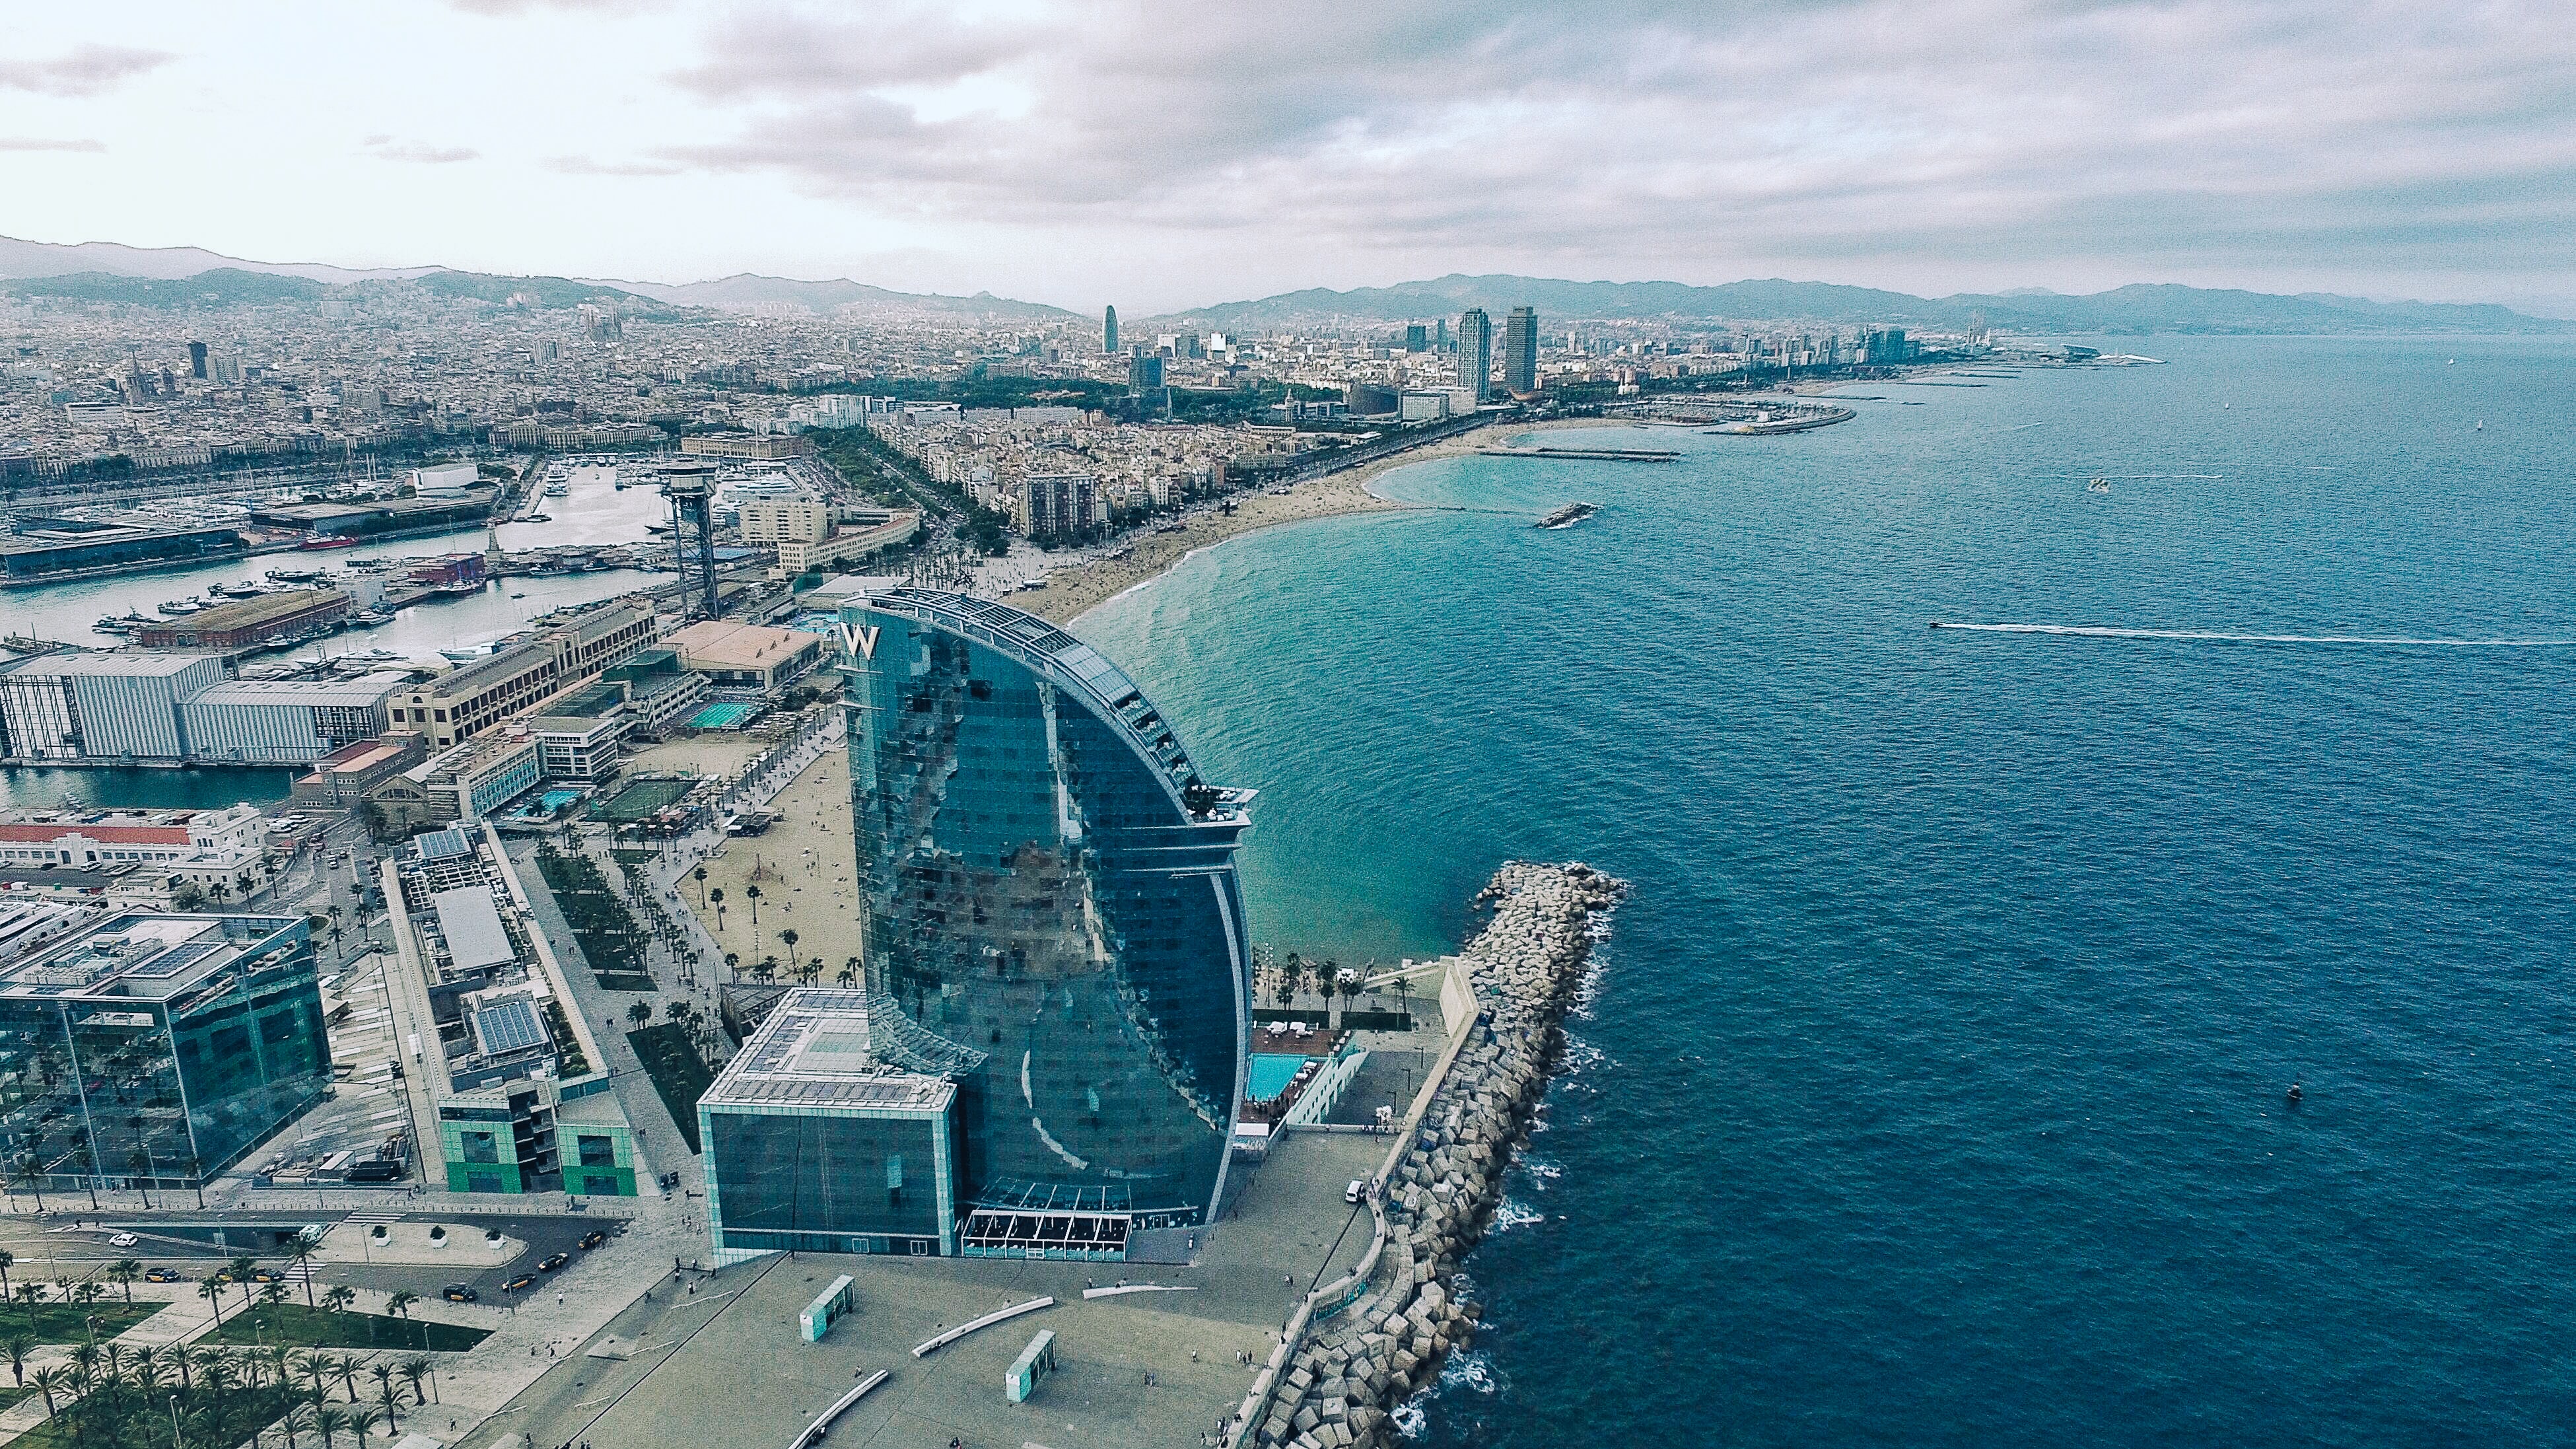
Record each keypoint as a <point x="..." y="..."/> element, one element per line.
<point x="508" y="1027"/>
<point x="444" y="845"/>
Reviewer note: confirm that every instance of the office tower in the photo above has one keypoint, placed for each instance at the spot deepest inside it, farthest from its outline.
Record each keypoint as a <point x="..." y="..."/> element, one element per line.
<point x="1416" y="337"/>
<point x="1050" y="914"/>
<point x="159" y="1047"/>
<point x="197" y="360"/>
<point x="1520" y="350"/>
<point x="1475" y="352"/>
<point x="1440" y="339"/>
<point x="1109" y="329"/>
<point x="1144" y="372"/>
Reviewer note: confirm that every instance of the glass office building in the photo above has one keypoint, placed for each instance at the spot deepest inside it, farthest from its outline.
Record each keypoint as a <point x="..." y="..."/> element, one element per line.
<point x="811" y="1143"/>
<point x="157" y="1049"/>
<point x="1052" y="919"/>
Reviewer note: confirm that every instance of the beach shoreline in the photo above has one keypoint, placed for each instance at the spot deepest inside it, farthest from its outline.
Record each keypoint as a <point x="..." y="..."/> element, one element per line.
<point x="1074" y="591"/>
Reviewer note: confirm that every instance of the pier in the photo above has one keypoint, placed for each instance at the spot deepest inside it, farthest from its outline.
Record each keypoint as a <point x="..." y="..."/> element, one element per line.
<point x="1608" y="455"/>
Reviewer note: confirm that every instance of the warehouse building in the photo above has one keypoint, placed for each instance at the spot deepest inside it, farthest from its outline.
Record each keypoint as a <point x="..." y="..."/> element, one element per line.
<point x="100" y="706"/>
<point x="284" y="721"/>
<point x="295" y="614"/>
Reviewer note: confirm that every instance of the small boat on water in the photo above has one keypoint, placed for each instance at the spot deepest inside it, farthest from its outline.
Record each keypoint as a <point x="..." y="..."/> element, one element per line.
<point x="557" y="490"/>
<point x="182" y="608"/>
<point x="2098" y="485"/>
<point x="329" y="540"/>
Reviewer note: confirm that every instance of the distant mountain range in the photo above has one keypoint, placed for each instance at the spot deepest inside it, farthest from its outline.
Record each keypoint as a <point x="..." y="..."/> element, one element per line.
<point x="751" y="292"/>
<point x="179" y="277"/>
<point x="50" y="259"/>
<point x="2140" y="308"/>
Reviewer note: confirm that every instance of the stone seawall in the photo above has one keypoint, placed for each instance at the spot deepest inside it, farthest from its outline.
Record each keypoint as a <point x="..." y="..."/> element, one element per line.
<point x="1365" y="1343"/>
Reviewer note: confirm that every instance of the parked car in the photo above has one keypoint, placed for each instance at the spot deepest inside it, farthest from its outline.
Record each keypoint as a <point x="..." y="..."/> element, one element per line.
<point x="267" y="1275"/>
<point x="592" y="1239"/>
<point x="459" y="1293"/>
<point x="163" y="1275"/>
<point x="523" y="1280"/>
<point x="123" y="1240"/>
<point x="554" y="1261"/>
<point x="1357" y="1190"/>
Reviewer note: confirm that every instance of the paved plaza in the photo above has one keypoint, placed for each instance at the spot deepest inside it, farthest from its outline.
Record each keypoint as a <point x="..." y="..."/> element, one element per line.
<point x="725" y="1364"/>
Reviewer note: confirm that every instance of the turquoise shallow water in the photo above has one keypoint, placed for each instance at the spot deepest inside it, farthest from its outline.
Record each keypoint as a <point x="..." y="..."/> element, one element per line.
<point x="1932" y="1088"/>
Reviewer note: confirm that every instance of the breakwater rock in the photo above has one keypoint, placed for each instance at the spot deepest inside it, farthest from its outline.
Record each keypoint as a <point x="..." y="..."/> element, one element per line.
<point x="1379" y="1335"/>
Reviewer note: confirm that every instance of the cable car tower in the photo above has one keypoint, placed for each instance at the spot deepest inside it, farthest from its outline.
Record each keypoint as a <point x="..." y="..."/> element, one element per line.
<point x="691" y="488"/>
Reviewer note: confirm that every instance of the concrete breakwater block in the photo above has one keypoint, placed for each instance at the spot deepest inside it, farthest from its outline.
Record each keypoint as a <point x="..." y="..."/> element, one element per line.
<point x="1524" y="968"/>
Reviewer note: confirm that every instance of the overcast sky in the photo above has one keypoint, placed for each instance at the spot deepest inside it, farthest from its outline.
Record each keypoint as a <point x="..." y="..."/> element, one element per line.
<point x="1164" y="154"/>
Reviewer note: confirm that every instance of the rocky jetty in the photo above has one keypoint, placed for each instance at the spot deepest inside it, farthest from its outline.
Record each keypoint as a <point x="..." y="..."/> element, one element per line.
<point x="1378" y="1335"/>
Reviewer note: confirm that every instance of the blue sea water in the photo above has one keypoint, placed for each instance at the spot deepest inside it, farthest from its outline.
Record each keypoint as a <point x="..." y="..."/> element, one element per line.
<point x="1932" y="1088"/>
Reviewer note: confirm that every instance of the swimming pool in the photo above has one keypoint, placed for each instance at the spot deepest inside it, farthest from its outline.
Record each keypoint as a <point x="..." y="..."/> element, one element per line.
<point x="1271" y="1073"/>
<point x="722" y="716"/>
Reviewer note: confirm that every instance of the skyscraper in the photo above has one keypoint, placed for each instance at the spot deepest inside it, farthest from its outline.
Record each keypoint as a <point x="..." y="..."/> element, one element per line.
<point x="1109" y="329"/>
<point x="1051" y="917"/>
<point x="1520" y="350"/>
<point x="197" y="360"/>
<point x="1475" y="351"/>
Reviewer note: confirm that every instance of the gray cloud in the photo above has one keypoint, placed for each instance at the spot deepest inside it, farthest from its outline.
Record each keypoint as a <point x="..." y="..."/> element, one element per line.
<point x="2339" y="135"/>
<point x="420" y="153"/>
<point x="84" y="71"/>
<point x="43" y="143"/>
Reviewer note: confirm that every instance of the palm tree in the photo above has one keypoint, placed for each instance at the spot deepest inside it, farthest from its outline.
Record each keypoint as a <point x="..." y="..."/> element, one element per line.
<point x="49" y="1381"/>
<point x="301" y="1256"/>
<point x="337" y="1300"/>
<point x="313" y="1368"/>
<point x="364" y="1422"/>
<point x="123" y="1272"/>
<point x="239" y="1270"/>
<point x="640" y="1013"/>
<point x="299" y="1417"/>
<point x="17" y="1346"/>
<point x="175" y="1355"/>
<point x="32" y="1294"/>
<point x="789" y="936"/>
<point x="211" y="1289"/>
<point x="346" y="1366"/>
<point x="31" y="1171"/>
<point x="383" y="1373"/>
<point x="850" y="972"/>
<point x="399" y="1305"/>
<point x="274" y="1294"/>
<point x="8" y="1260"/>
<point x="752" y="894"/>
<point x="700" y="876"/>
<point x="716" y="898"/>
<point x="328" y="1422"/>
<point x="416" y="1371"/>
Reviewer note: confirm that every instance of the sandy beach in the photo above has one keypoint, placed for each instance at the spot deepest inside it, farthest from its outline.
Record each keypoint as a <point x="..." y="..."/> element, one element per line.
<point x="1073" y="589"/>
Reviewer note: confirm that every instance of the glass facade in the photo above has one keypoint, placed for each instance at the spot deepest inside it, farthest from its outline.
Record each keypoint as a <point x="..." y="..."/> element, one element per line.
<point x="1052" y="917"/>
<point x="163" y="1055"/>
<point x="815" y="1181"/>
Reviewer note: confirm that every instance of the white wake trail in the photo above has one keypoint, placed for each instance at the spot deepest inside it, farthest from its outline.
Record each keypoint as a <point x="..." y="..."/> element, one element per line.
<point x="2093" y="632"/>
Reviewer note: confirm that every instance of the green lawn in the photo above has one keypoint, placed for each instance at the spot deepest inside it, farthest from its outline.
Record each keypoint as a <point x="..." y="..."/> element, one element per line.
<point x="293" y="1323"/>
<point x="677" y="1073"/>
<point x="62" y="1323"/>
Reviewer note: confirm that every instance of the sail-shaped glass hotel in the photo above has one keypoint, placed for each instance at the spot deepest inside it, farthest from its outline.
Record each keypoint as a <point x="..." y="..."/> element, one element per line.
<point x="1052" y="918"/>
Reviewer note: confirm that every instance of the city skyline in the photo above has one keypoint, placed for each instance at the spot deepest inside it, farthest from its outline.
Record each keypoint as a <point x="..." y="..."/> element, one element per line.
<point x="1992" y="146"/>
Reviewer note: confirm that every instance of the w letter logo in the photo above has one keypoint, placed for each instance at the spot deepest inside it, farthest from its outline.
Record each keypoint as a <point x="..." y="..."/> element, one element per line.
<point x="860" y="641"/>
